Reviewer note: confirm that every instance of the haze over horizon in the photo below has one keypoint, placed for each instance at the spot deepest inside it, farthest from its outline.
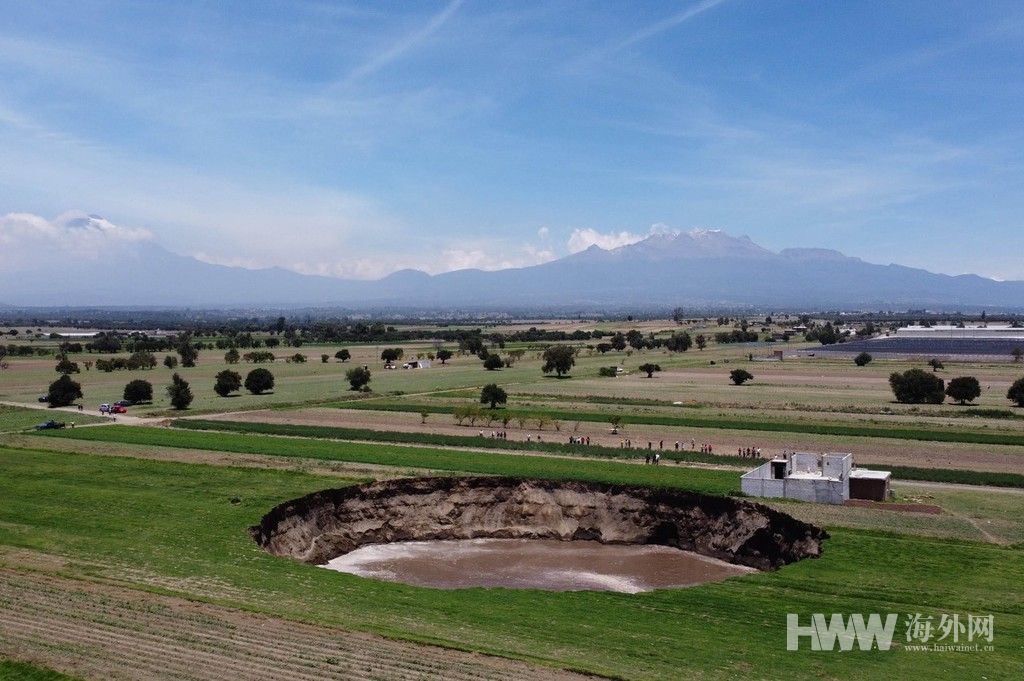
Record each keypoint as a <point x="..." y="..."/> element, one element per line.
<point x="356" y="140"/>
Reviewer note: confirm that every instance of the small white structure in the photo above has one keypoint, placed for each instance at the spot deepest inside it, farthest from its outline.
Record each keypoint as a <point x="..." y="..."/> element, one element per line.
<point x="821" y="478"/>
<point x="417" y="364"/>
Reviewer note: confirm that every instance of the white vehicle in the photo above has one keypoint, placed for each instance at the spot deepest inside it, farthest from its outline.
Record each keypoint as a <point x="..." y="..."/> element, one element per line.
<point x="104" y="408"/>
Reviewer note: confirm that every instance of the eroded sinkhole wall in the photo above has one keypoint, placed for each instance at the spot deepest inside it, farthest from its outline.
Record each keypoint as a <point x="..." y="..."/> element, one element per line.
<point x="327" y="524"/>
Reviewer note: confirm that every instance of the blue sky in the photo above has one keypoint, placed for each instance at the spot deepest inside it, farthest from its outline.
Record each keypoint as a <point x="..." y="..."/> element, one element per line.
<point x="357" y="138"/>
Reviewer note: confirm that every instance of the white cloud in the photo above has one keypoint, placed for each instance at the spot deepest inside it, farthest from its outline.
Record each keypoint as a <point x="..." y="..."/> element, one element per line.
<point x="28" y="240"/>
<point x="583" y="238"/>
<point x="544" y="233"/>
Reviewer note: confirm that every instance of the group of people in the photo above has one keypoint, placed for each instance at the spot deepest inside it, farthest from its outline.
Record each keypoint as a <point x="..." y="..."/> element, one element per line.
<point x="749" y="452"/>
<point x="579" y="439"/>
<point x="652" y="458"/>
<point x="496" y="434"/>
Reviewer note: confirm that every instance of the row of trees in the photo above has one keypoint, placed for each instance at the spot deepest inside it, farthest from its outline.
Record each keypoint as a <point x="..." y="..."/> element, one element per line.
<point x="917" y="386"/>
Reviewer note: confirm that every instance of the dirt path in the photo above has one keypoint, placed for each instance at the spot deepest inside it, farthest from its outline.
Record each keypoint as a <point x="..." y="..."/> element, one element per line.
<point x="866" y="451"/>
<point x="105" y="632"/>
<point x="121" y="419"/>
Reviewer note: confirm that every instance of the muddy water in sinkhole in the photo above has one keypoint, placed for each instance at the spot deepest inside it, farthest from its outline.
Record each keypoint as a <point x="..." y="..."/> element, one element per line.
<point x="534" y="564"/>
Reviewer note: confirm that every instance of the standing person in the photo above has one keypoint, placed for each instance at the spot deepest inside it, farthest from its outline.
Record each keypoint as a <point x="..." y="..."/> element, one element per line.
<point x="693" y="443"/>
<point x="657" y="459"/>
<point x="647" y="459"/>
<point x="661" y="445"/>
<point x="677" y="445"/>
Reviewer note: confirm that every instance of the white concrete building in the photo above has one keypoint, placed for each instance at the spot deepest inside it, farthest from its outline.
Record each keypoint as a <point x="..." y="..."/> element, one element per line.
<point x="820" y="478"/>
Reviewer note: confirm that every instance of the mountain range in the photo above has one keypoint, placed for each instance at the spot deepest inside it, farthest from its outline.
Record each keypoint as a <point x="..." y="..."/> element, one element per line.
<point x="701" y="268"/>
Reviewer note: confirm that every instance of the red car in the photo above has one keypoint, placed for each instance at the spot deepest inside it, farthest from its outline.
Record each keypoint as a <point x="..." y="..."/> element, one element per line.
<point x="118" y="409"/>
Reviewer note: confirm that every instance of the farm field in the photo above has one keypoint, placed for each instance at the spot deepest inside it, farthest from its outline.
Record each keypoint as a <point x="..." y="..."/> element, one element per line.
<point x="180" y="529"/>
<point x="136" y="524"/>
<point x="875" y="451"/>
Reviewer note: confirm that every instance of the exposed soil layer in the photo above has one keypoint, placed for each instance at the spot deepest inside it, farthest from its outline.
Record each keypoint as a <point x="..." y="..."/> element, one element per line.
<point x="330" y="523"/>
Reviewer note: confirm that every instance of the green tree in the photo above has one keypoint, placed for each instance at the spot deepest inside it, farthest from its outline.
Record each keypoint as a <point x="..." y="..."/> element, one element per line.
<point x="917" y="386"/>
<point x="324" y="359"/>
<point x="964" y="389"/>
<point x="259" y="381"/>
<point x="493" y="394"/>
<point x="66" y="366"/>
<point x="391" y="355"/>
<point x="231" y="356"/>
<point x="701" y="341"/>
<point x="935" y="364"/>
<point x="187" y="351"/>
<point x="227" y="382"/>
<point x="559" y="359"/>
<point x="863" y="359"/>
<point x="179" y="392"/>
<point x="358" y="378"/>
<point x="343" y="355"/>
<point x="1016" y="392"/>
<point x="619" y="342"/>
<point x="679" y="342"/>
<point x="138" y="391"/>
<point x="170" y="361"/>
<point x="649" y="369"/>
<point x="63" y="392"/>
<point x="740" y="376"/>
<point x="493" y="362"/>
<point x="298" y="358"/>
<point x="1017" y="354"/>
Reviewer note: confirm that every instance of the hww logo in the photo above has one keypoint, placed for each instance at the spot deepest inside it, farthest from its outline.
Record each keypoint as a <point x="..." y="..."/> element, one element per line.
<point x="845" y="631"/>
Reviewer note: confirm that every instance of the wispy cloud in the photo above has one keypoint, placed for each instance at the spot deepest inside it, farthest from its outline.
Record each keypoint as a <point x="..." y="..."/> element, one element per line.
<point x="665" y="24"/>
<point x="398" y="49"/>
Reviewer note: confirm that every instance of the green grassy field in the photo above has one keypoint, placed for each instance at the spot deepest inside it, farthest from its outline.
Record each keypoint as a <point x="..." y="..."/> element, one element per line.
<point x="710" y="481"/>
<point x="11" y="670"/>
<point x="18" y="418"/>
<point x="173" y="527"/>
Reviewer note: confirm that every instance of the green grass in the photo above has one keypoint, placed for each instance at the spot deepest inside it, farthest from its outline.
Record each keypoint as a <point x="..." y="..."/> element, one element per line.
<point x="710" y="481"/>
<point x="10" y="670"/>
<point x="964" y="477"/>
<point x="20" y="418"/>
<point x="173" y="524"/>
<point x="725" y="423"/>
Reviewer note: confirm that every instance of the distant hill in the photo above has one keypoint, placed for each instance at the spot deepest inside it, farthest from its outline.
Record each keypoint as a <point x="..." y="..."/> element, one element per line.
<point x="698" y="268"/>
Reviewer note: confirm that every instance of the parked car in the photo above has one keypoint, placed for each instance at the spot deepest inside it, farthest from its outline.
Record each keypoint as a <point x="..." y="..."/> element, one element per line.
<point x="104" y="408"/>
<point x="44" y="398"/>
<point x="123" y="403"/>
<point x="118" y="409"/>
<point x="49" y="425"/>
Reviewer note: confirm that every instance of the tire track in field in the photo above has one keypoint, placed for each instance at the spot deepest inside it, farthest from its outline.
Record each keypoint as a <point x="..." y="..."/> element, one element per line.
<point x="100" y="631"/>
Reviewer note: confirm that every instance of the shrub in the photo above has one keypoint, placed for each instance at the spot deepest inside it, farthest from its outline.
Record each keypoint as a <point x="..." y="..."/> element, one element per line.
<point x="66" y="366"/>
<point x="343" y="355"/>
<point x="740" y="376"/>
<point x="231" y="356"/>
<point x="259" y="381"/>
<point x="608" y="372"/>
<point x="138" y="391"/>
<point x="324" y="359"/>
<point x="863" y="359"/>
<point x="63" y="392"/>
<point x="1016" y="392"/>
<point x="493" y="362"/>
<point x="227" y="382"/>
<point x="298" y="358"/>
<point x="964" y="389"/>
<point x="917" y="386"/>
<point x="649" y="369"/>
